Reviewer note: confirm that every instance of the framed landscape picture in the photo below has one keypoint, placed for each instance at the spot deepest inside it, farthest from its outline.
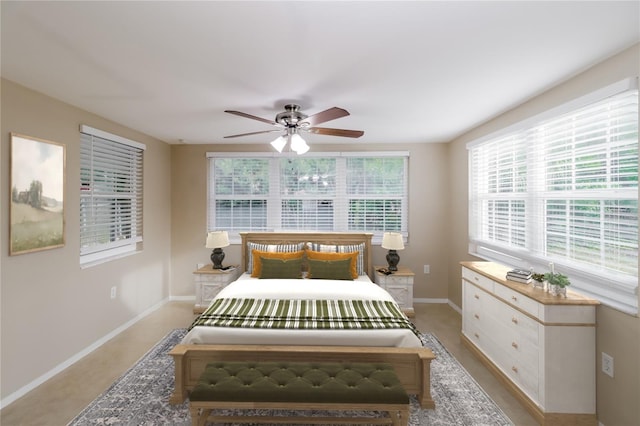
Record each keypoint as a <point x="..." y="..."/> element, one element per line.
<point x="37" y="194"/>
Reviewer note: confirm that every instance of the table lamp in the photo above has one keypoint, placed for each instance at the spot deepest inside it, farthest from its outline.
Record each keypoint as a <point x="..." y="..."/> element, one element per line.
<point x="216" y="240"/>
<point x="392" y="241"/>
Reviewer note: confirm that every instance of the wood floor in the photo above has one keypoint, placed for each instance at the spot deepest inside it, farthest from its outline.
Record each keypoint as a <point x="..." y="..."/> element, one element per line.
<point x="60" y="399"/>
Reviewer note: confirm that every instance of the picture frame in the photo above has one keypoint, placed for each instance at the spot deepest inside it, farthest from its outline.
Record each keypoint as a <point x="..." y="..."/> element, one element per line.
<point x="38" y="174"/>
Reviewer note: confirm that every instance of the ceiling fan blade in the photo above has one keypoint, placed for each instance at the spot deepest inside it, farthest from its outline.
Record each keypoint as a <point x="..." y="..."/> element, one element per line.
<point x="335" y="132"/>
<point x="323" y="116"/>
<point x="254" y="133"/>
<point x="253" y="117"/>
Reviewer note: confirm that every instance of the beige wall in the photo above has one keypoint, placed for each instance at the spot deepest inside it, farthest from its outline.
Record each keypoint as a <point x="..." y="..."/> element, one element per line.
<point x="617" y="334"/>
<point x="427" y="244"/>
<point x="52" y="309"/>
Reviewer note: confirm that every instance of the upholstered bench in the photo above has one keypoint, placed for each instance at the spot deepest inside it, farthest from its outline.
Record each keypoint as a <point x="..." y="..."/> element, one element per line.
<point x="299" y="386"/>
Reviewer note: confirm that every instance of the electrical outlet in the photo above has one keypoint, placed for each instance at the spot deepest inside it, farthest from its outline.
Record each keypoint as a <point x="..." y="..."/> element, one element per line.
<point x="427" y="269"/>
<point x="114" y="292"/>
<point x="607" y="364"/>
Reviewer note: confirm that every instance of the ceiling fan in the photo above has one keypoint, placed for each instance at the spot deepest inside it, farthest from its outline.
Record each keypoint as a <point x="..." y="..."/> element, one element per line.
<point x="291" y="122"/>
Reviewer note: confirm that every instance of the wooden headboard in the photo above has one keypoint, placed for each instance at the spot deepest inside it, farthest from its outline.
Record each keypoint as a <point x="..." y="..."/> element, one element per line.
<point x="337" y="238"/>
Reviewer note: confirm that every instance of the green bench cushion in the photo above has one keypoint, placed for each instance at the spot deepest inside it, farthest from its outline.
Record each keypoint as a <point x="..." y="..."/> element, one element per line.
<point x="325" y="382"/>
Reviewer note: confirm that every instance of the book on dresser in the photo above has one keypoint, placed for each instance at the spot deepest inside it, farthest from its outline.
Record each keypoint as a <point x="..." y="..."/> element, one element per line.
<point x="519" y="275"/>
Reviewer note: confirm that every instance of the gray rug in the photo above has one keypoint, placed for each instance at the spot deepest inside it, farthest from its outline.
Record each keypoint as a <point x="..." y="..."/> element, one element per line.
<point x="140" y="396"/>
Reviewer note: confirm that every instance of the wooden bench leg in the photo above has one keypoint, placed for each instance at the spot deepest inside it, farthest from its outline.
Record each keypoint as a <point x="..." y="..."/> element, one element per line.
<point x="195" y="416"/>
<point x="199" y="416"/>
<point x="399" y="417"/>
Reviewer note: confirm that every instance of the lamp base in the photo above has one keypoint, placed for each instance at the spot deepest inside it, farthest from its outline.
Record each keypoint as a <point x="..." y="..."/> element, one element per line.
<point x="217" y="256"/>
<point x="393" y="259"/>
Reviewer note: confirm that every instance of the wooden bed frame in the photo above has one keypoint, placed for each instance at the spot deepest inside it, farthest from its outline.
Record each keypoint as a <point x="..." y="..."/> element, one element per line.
<point x="412" y="365"/>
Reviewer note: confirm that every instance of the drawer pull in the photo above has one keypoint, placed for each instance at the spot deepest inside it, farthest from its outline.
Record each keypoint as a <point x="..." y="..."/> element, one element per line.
<point x="476" y="278"/>
<point x="514" y="320"/>
<point x="477" y="335"/>
<point x="476" y="296"/>
<point x="515" y="299"/>
<point x="514" y="344"/>
<point x="477" y="316"/>
<point x="514" y="369"/>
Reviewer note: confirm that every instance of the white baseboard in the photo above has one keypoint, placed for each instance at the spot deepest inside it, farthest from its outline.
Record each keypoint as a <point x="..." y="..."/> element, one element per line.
<point x="182" y="298"/>
<point x="428" y="300"/>
<point x="455" y="307"/>
<point x="86" y="351"/>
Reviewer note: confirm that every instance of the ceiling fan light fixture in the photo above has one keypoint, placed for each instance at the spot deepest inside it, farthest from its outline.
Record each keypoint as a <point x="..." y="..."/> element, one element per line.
<point x="292" y="120"/>
<point x="279" y="143"/>
<point x="298" y="144"/>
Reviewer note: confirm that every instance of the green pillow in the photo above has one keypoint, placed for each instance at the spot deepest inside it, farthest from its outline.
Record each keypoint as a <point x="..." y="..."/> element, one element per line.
<point x="330" y="269"/>
<point x="281" y="268"/>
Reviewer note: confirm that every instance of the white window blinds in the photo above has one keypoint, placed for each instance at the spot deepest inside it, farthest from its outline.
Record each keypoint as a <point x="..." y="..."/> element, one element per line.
<point x="240" y="188"/>
<point x="308" y="190"/>
<point x="111" y="187"/>
<point x="316" y="192"/>
<point x="564" y="190"/>
<point x="377" y="193"/>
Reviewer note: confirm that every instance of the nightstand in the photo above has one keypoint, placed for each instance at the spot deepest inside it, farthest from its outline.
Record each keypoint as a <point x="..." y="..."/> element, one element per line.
<point x="399" y="285"/>
<point x="209" y="282"/>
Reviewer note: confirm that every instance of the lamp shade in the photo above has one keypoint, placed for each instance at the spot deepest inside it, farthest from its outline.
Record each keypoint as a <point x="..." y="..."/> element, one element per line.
<point x="295" y="141"/>
<point x="217" y="239"/>
<point x="279" y="144"/>
<point x="392" y="241"/>
<point x="298" y="144"/>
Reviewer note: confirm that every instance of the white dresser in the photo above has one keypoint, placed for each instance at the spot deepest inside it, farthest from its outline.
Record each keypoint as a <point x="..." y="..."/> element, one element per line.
<point x="209" y="282"/>
<point x="542" y="347"/>
<point x="400" y="286"/>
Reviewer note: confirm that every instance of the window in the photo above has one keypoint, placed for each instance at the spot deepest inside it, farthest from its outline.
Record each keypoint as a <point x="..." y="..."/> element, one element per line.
<point x="376" y="188"/>
<point x="110" y="195"/>
<point x="315" y="192"/>
<point x="564" y="189"/>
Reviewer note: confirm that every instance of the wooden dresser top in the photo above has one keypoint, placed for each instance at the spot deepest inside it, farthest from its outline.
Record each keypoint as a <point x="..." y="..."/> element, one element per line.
<point x="498" y="273"/>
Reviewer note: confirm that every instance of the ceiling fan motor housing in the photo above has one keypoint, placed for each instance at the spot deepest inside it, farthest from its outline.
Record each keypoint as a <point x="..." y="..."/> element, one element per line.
<point x="291" y="116"/>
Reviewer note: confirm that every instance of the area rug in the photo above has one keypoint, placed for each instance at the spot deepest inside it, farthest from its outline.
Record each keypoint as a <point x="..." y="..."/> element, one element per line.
<point x="140" y="396"/>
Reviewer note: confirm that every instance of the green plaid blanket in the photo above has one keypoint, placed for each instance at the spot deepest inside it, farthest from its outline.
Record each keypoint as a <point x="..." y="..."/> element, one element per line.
<point x="304" y="314"/>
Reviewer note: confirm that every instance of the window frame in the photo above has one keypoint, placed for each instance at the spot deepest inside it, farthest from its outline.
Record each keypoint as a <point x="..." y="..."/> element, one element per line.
<point x="275" y="197"/>
<point x="617" y="290"/>
<point x="130" y="188"/>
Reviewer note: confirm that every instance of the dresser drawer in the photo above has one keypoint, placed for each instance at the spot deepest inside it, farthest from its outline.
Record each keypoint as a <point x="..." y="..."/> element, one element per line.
<point x="480" y="337"/>
<point x="478" y="316"/>
<point x="474" y="298"/>
<point x="477" y="279"/>
<point x="513" y="322"/>
<point x="516" y="299"/>
<point x="519" y="346"/>
<point x="521" y="372"/>
<point x="478" y="306"/>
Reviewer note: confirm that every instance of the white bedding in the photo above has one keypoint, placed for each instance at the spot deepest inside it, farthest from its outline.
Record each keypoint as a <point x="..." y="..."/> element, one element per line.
<point x="247" y="287"/>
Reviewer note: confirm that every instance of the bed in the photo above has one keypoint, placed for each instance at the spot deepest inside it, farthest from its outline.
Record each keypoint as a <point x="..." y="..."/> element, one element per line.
<point x="380" y="335"/>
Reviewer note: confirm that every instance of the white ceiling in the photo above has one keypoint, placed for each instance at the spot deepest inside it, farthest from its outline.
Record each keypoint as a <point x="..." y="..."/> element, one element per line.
<point x="420" y="71"/>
